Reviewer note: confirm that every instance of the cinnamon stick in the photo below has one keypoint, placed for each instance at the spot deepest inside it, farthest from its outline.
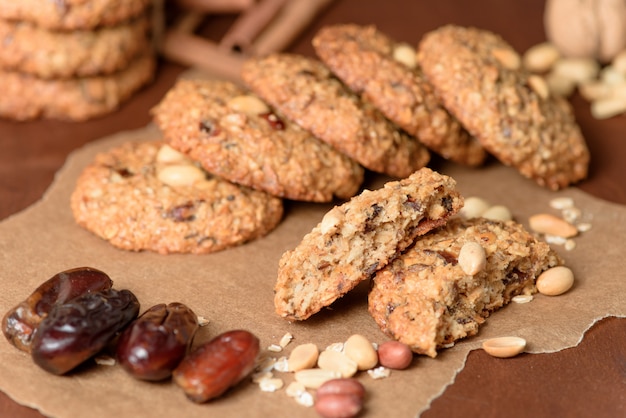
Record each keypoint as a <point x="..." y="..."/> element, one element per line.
<point x="250" y="23"/>
<point x="293" y="18"/>
<point x="216" y="6"/>
<point x="194" y="51"/>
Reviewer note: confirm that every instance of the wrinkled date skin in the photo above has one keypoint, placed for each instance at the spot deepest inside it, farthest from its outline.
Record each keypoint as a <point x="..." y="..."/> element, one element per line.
<point x="217" y="365"/>
<point x="75" y="331"/>
<point x="156" y="342"/>
<point x="20" y="323"/>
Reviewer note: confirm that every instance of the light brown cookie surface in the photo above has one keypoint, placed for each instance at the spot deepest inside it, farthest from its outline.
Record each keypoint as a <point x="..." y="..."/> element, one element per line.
<point x="305" y="91"/>
<point x="386" y="73"/>
<point x="425" y="299"/>
<point x="30" y="49"/>
<point x="72" y="14"/>
<point x="26" y="97"/>
<point x="146" y="196"/>
<point x="358" y="238"/>
<point x="235" y="135"/>
<point x="479" y="78"/>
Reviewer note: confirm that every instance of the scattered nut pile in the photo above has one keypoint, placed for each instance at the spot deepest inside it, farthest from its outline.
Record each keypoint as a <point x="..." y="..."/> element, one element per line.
<point x="604" y="86"/>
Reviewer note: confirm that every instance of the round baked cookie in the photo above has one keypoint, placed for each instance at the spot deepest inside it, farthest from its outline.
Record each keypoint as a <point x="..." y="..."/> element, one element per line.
<point x="305" y="91"/>
<point x="30" y="49"/>
<point x="72" y="14"/>
<point x="146" y="196"/>
<point x="235" y="135"/>
<point x="386" y="73"/>
<point x="480" y="80"/>
<point x="358" y="238"/>
<point x="27" y="97"/>
<point x="424" y="297"/>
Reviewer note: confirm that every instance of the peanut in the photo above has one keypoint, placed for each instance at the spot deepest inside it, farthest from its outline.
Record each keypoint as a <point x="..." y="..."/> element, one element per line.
<point x="337" y="361"/>
<point x="498" y="213"/>
<point x="217" y="365"/>
<point x="472" y="258"/>
<point x="395" y="355"/>
<point x="180" y="175"/>
<point x="504" y="347"/>
<point x="539" y="85"/>
<point x="578" y="70"/>
<point x="545" y="223"/>
<point x="314" y="378"/>
<point x="608" y="107"/>
<point x="340" y="398"/>
<point x="248" y="104"/>
<point x="303" y="356"/>
<point x="474" y="207"/>
<point x="555" y="281"/>
<point x="168" y="155"/>
<point x="541" y="57"/>
<point x="405" y="54"/>
<point x="508" y="58"/>
<point x="360" y="349"/>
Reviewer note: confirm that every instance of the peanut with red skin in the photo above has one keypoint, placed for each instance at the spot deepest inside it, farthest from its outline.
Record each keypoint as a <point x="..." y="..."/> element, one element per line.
<point x="395" y="355"/>
<point x="217" y="365"/>
<point x="340" y="398"/>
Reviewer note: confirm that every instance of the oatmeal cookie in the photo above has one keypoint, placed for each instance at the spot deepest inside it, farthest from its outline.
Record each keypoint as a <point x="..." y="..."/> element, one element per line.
<point x="72" y="14"/>
<point x="424" y="298"/>
<point x="32" y="50"/>
<point x="305" y="91"/>
<point x="235" y="135"/>
<point x="510" y="111"/>
<point x="358" y="238"/>
<point x="386" y="73"/>
<point x="138" y="197"/>
<point x="27" y="97"/>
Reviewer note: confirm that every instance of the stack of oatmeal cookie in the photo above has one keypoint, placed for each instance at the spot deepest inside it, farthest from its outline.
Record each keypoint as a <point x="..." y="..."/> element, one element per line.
<point x="72" y="59"/>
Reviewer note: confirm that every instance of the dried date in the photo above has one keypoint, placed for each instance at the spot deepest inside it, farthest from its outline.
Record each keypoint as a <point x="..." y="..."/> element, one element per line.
<point x="75" y="331"/>
<point x="217" y="365"/>
<point x="20" y="323"/>
<point x="156" y="342"/>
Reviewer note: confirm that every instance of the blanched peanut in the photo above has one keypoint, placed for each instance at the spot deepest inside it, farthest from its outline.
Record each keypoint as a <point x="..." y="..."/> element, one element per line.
<point x="337" y="361"/>
<point x="248" y="104"/>
<point x="504" y="347"/>
<point x="394" y="355"/>
<point x="360" y="349"/>
<point x="608" y="107"/>
<point x="498" y="213"/>
<point x="555" y="281"/>
<point x="473" y="207"/>
<point x="578" y="70"/>
<point x="180" y="175"/>
<point x="507" y="57"/>
<point x="472" y="258"/>
<point x="303" y="356"/>
<point x="340" y="398"/>
<point x="539" y="85"/>
<point x="168" y="155"/>
<point x="545" y="223"/>
<point x="405" y="54"/>
<point x="314" y="378"/>
<point x="541" y="57"/>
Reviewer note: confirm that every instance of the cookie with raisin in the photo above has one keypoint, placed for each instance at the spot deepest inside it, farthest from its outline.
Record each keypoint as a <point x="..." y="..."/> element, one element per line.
<point x="237" y="136"/>
<point x="359" y="237"/>
<point x="147" y="196"/>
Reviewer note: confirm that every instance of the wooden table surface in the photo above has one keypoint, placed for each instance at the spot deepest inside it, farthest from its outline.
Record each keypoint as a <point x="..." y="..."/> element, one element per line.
<point x="588" y="380"/>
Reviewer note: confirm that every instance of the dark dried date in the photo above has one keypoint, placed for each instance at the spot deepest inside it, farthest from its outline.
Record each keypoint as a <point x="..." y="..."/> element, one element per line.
<point x="156" y="342"/>
<point x="75" y="331"/>
<point x="217" y="365"/>
<point x="19" y="324"/>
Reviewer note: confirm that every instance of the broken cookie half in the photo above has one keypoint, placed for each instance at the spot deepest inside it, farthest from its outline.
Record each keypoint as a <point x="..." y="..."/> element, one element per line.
<point x="435" y="293"/>
<point x="356" y="239"/>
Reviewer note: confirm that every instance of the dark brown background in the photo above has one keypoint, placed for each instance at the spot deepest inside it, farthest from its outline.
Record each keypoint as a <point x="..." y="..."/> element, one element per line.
<point x="589" y="380"/>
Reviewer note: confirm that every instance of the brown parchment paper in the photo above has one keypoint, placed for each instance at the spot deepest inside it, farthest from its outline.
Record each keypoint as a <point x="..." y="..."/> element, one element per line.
<point x="233" y="289"/>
